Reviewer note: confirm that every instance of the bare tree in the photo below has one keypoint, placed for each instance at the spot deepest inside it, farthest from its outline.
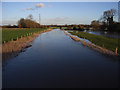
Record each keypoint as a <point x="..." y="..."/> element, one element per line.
<point x="30" y="17"/>
<point x="95" y="24"/>
<point x="108" y="16"/>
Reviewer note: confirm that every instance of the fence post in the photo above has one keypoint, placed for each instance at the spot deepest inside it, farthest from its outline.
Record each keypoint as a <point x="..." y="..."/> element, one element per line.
<point x="116" y="50"/>
<point x="17" y="38"/>
<point x="103" y="45"/>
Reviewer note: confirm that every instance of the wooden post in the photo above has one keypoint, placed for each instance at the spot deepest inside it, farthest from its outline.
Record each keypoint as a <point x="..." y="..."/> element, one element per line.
<point x="116" y="50"/>
<point x="17" y="38"/>
<point x="103" y="45"/>
<point x="84" y="43"/>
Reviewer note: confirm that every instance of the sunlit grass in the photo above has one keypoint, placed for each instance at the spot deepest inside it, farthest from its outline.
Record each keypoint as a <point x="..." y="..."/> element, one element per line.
<point x="102" y="41"/>
<point x="13" y="34"/>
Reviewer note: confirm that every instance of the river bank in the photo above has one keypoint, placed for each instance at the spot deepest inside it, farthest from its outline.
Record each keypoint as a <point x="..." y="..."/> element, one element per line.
<point x="56" y="61"/>
<point x="12" y="34"/>
<point x="92" y="45"/>
<point x="12" y="48"/>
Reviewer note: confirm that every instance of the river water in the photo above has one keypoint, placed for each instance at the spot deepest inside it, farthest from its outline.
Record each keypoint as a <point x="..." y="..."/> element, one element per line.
<point x="56" y="61"/>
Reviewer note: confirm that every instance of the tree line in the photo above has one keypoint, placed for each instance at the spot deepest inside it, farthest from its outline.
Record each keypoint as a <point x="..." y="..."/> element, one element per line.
<point x="106" y="22"/>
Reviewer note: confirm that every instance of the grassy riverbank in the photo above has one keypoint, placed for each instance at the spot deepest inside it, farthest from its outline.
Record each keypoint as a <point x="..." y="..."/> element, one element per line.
<point x="9" y="34"/>
<point x="108" y="43"/>
<point x="12" y="48"/>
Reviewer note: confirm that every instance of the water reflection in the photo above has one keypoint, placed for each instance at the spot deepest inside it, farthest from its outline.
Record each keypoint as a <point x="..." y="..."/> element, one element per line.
<point x="56" y="61"/>
<point x="104" y="33"/>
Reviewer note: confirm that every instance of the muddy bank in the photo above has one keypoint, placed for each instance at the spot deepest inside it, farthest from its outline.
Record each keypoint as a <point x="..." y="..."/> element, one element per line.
<point x="93" y="46"/>
<point x="12" y="48"/>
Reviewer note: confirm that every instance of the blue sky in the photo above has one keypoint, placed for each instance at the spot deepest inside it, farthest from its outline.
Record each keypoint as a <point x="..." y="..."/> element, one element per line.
<point x="56" y="12"/>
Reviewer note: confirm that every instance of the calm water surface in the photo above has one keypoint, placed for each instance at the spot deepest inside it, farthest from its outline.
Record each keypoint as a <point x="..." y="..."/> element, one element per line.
<point x="105" y="33"/>
<point x="56" y="61"/>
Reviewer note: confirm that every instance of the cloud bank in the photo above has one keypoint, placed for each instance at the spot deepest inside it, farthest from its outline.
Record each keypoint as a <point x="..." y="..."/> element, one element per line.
<point x="40" y="5"/>
<point x="29" y="9"/>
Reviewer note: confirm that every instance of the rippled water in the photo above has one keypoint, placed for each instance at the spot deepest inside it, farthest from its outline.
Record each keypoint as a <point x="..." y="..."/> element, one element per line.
<point x="56" y="61"/>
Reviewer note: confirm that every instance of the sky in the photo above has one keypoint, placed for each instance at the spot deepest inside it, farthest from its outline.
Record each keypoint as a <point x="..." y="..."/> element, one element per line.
<point x="56" y="12"/>
<point x="60" y="0"/>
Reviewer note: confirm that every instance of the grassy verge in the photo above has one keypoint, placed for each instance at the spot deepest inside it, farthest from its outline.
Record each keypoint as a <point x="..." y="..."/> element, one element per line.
<point x="14" y="33"/>
<point x="108" y="43"/>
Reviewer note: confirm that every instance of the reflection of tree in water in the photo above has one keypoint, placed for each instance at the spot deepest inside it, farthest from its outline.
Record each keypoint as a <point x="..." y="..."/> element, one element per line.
<point x="107" y="34"/>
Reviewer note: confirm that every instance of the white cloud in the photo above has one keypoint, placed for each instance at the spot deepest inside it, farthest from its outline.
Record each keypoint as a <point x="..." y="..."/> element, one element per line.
<point x="40" y="5"/>
<point x="29" y="8"/>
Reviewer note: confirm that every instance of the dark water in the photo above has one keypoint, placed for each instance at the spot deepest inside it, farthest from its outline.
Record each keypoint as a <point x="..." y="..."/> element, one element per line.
<point x="56" y="61"/>
<point x="105" y="33"/>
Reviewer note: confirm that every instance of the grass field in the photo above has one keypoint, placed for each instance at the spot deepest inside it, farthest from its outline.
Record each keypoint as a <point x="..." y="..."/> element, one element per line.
<point x="108" y="43"/>
<point x="9" y="34"/>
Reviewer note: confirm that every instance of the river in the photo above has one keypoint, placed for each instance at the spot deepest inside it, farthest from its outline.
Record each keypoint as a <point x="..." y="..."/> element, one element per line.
<point x="56" y="61"/>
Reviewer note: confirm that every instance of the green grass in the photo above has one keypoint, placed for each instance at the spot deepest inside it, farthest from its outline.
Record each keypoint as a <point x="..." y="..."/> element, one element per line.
<point x="102" y="41"/>
<point x="64" y="27"/>
<point x="54" y="27"/>
<point x="9" y="34"/>
<point x="67" y="28"/>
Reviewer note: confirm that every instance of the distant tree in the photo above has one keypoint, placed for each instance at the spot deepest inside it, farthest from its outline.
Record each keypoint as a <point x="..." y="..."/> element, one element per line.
<point x="74" y="28"/>
<point x="80" y="28"/>
<point x="114" y="27"/>
<point x="28" y="23"/>
<point x="95" y="24"/>
<point x="69" y="27"/>
<point x="66" y="25"/>
<point x="21" y="23"/>
<point x="103" y="25"/>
